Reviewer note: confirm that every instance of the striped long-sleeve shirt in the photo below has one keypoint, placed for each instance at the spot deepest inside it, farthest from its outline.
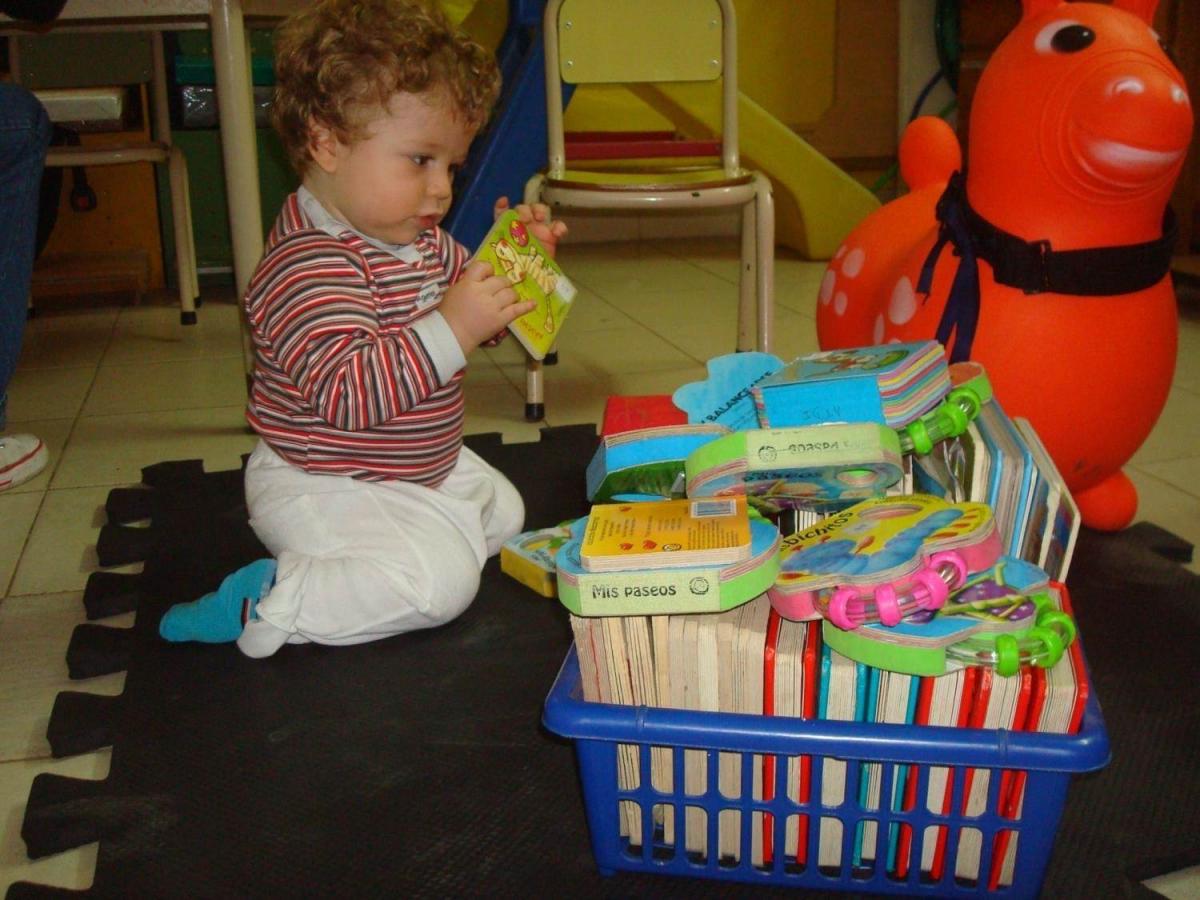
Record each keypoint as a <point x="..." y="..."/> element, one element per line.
<point x="355" y="372"/>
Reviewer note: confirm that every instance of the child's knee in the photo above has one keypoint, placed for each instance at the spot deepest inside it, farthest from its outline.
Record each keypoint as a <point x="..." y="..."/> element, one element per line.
<point x="508" y="517"/>
<point x="454" y="593"/>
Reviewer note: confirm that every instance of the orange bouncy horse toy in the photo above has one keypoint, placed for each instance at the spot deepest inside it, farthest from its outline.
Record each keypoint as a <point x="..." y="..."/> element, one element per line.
<point x="1049" y="262"/>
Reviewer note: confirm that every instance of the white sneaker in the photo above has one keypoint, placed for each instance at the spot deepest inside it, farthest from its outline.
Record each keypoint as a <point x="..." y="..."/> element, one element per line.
<point x="22" y="456"/>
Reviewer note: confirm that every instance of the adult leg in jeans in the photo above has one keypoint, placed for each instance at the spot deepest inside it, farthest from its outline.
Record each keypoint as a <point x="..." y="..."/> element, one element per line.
<point x="24" y="139"/>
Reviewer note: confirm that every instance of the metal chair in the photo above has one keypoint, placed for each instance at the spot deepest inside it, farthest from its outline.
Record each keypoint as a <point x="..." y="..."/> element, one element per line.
<point x="642" y="43"/>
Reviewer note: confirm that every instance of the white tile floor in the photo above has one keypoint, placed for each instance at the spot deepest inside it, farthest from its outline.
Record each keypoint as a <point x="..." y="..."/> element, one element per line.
<point x="114" y="388"/>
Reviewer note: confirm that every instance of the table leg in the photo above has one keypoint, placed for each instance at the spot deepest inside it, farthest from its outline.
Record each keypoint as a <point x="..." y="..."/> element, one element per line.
<point x="231" y="64"/>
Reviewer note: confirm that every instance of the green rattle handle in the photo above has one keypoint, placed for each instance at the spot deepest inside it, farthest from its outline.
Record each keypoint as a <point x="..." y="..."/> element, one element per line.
<point x="949" y="419"/>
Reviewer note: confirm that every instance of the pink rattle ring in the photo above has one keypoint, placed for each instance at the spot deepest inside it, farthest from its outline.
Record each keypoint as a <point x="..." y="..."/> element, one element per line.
<point x="839" y="611"/>
<point x="887" y="605"/>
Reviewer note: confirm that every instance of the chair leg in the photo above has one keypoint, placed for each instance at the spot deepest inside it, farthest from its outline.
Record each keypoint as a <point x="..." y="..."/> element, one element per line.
<point x="185" y="260"/>
<point x="535" y="409"/>
<point x="764" y="214"/>
<point x="533" y="188"/>
<point x="748" y="278"/>
<point x="187" y="202"/>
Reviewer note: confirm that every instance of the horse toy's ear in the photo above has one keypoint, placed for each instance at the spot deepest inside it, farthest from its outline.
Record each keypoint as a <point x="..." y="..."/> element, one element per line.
<point x="1143" y="9"/>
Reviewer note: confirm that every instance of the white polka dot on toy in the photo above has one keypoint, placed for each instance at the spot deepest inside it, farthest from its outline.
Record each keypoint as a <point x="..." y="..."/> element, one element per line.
<point x="841" y="251"/>
<point x="853" y="262"/>
<point x="840" y="302"/>
<point x="827" y="283"/>
<point x="877" y="333"/>
<point x="903" y="304"/>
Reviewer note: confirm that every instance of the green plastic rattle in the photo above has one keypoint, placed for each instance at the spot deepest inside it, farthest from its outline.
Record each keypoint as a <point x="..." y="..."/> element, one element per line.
<point x="952" y="416"/>
<point x="1042" y="645"/>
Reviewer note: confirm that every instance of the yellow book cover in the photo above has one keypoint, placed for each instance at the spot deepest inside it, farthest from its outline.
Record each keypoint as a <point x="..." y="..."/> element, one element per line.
<point x="517" y="255"/>
<point x="666" y="533"/>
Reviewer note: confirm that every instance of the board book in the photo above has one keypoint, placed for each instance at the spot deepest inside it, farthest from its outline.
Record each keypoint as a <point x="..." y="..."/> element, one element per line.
<point x="1010" y="474"/>
<point x="725" y="396"/>
<point x="883" y="559"/>
<point x="633" y="412"/>
<point x="1056" y="707"/>
<point x="891" y="700"/>
<point x="1000" y="702"/>
<point x="789" y="467"/>
<point x="1059" y="514"/>
<point x="512" y="251"/>
<point x="892" y="384"/>
<point x="645" y="463"/>
<point x="791" y="654"/>
<point x="669" y="590"/>
<point x="843" y="698"/>
<point x="529" y="557"/>
<point x="666" y="534"/>
<point x="1003" y="618"/>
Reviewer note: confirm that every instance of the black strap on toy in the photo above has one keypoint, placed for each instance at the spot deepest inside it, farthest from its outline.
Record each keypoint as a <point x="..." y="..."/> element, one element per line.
<point x="1033" y="266"/>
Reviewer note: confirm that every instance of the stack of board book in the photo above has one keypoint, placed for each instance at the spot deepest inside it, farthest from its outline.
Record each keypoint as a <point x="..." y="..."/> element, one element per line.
<point x="1002" y="462"/>
<point x="694" y="627"/>
<point x="752" y="661"/>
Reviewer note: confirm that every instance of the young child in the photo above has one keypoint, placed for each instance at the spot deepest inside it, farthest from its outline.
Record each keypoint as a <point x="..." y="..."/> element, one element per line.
<point x="363" y="312"/>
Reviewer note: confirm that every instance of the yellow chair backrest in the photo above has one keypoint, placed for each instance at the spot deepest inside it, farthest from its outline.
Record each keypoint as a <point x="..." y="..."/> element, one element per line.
<point x="634" y="42"/>
<point x="627" y="41"/>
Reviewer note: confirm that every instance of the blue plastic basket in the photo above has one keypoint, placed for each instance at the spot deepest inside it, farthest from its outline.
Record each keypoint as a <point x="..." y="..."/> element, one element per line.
<point x="598" y="729"/>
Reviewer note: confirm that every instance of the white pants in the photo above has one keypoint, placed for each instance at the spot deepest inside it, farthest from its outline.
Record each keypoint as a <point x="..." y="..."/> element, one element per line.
<point x="362" y="560"/>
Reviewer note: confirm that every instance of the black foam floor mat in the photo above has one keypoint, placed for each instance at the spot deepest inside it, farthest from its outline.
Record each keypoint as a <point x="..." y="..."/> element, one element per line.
<point x="417" y="766"/>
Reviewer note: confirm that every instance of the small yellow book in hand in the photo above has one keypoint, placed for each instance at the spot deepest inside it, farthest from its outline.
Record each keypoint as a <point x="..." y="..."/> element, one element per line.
<point x="517" y="255"/>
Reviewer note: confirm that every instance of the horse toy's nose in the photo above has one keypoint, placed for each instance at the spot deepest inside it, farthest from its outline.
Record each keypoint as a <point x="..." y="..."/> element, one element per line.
<point x="1127" y="123"/>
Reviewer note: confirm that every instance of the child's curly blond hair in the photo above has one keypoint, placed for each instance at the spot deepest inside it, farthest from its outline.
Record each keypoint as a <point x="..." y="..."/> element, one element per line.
<point x="339" y="61"/>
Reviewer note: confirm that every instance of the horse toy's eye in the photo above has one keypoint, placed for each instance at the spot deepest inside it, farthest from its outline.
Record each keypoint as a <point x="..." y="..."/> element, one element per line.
<point x="1072" y="38"/>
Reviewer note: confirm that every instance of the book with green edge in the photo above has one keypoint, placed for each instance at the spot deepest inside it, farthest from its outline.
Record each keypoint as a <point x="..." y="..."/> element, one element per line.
<point x="647" y="462"/>
<point x="512" y="251"/>
<point x="1013" y="597"/>
<point x="669" y="590"/>
<point x="779" y="468"/>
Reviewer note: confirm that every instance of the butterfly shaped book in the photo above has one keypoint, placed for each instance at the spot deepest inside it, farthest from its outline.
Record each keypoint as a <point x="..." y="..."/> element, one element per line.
<point x="882" y="559"/>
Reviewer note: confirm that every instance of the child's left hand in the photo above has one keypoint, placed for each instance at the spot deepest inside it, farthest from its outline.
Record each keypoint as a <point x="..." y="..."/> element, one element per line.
<point x="537" y="217"/>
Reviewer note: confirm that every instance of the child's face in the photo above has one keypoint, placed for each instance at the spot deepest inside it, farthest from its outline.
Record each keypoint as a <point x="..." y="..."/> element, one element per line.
<point x="394" y="182"/>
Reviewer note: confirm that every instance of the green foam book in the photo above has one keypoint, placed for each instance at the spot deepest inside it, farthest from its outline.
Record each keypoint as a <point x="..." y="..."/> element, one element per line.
<point x="647" y="462"/>
<point x="779" y="468"/>
<point x="641" y="590"/>
<point x="512" y="251"/>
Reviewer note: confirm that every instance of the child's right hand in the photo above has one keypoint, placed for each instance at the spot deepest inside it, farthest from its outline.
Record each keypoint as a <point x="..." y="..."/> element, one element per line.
<point x="480" y="305"/>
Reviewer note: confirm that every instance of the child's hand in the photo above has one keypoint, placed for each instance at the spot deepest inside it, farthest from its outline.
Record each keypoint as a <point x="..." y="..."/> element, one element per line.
<point x="537" y="217"/>
<point x="480" y="304"/>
